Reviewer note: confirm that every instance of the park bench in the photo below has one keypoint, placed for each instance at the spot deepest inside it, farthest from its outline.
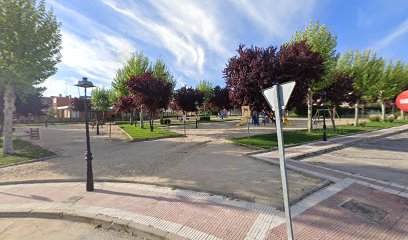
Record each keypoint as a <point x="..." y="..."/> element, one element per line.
<point x="35" y="133"/>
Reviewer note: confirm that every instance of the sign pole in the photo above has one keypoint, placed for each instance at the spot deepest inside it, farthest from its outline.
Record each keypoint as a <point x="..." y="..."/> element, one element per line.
<point x="249" y="134"/>
<point x="282" y="162"/>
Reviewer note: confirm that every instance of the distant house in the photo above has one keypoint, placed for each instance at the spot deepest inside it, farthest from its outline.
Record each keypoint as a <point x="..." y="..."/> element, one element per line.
<point x="62" y="107"/>
<point x="67" y="108"/>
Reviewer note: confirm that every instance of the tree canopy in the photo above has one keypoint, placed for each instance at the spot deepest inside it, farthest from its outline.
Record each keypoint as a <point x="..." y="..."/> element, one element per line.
<point x="30" y="43"/>
<point x="185" y="99"/>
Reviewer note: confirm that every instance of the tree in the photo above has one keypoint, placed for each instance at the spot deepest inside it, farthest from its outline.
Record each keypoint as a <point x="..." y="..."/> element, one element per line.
<point x="341" y="90"/>
<point x="153" y="93"/>
<point x="322" y="41"/>
<point x="248" y="73"/>
<point x="391" y="83"/>
<point x="30" y="43"/>
<point x="366" y="69"/>
<point x="185" y="99"/>
<point x="100" y="100"/>
<point x="29" y="105"/>
<point x="137" y="65"/>
<point x="125" y="104"/>
<point x="297" y="62"/>
<point x="207" y="90"/>
<point x="220" y="100"/>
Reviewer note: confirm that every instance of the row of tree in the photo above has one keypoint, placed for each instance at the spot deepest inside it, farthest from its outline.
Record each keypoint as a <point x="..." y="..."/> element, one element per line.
<point x="146" y="87"/>
<point x="310" y="59"/>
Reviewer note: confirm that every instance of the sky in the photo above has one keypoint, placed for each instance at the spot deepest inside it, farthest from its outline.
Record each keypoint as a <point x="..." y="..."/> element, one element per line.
<point x="196" y="38"/>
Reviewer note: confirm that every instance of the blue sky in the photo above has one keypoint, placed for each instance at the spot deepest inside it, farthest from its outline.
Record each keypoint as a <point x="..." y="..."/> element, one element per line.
<point x="196" y="38"/>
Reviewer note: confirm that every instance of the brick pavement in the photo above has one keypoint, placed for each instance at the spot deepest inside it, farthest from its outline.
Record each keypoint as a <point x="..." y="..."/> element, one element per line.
<point x="195" y="215"/>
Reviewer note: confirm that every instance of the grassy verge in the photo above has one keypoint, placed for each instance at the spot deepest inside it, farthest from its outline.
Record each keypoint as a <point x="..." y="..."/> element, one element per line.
<point x="267" y="141"/>
<point x="23" y="151"/>
<point x="143" y="134"/>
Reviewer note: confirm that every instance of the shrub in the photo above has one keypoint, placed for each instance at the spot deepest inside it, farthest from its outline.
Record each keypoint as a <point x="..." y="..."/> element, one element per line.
<point x="389" y="119"/>
<point x="374" y="118"/>
<point x="165" y="121"/>
<point x="205" y="118"/>
<point x="362" y="124"/>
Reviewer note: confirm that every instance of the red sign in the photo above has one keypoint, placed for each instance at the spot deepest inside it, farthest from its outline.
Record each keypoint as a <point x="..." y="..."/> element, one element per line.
<point x="402" y="101"/>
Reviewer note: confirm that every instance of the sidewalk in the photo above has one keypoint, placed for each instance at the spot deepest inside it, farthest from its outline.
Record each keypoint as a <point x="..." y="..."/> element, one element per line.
<point x="318" y="148"/>
<point x="180" y="214"/>
<point x="336" y="143"/>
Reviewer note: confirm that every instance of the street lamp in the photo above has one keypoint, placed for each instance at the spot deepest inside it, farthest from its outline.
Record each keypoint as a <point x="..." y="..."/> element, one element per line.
<point x="196" y="104"/>
<point x="323" y="94"/>
<point x="89" y="175"/>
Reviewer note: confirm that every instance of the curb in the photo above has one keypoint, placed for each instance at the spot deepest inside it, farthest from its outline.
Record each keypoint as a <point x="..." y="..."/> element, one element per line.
<point x="101" y="180"/>
<point x="131" y="139"/>
<point x="106" y="222"/>
<point x="344" y="145"/>
<point x="329" y="149"/>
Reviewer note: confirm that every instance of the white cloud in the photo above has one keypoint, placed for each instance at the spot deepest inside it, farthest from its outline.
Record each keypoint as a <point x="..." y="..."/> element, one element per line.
<point x="274" y="17"/>
<point x="400" y="30"/>
<point x="184" y="28"/>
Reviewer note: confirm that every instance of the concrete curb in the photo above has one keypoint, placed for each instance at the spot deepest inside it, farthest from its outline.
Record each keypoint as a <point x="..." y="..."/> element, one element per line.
<point x="335" y="147"/>
<point x="131" y="139"/>
<point x="101" y="180"/>
<point x="106" y="222"/>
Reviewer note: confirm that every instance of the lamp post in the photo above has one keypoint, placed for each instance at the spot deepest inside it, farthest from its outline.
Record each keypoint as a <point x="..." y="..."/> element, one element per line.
<point x="196" y="104"/>
<point x="89" y="175"/>
<point x="323" y="94"/>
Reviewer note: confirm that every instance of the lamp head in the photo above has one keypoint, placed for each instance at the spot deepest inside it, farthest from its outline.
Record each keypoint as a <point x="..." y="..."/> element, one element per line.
<point x="84" y="83"/>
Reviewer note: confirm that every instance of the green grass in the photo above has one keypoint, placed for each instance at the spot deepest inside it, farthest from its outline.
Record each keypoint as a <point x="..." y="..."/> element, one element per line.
<point x="267" y="141"/>
<point x="23" y="151"/>
<point x="143" y="134"/>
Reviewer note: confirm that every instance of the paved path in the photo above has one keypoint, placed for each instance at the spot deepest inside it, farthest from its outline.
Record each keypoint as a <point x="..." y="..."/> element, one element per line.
<point x="39" y="229"/>
<point x="178" y="213"/>
<point x="385" y="159"/>
<point x="198" y="163"/>
<point x="329" y="172"/>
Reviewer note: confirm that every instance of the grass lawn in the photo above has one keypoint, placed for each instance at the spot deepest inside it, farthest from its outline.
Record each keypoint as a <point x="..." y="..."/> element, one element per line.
<point x="23" y="151"/>
<point x="143" y="134"/>
<point x="267" y="141"/>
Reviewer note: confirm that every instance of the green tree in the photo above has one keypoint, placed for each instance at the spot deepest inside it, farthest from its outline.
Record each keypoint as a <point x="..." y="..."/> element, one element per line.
<point x="137" y="65"/>
<point x="30" y="43"/>
<point x="390" y="84"/>
<point x="323" y="41"/>
<point x="207" y="89"/>
<point x="100" y="100"/>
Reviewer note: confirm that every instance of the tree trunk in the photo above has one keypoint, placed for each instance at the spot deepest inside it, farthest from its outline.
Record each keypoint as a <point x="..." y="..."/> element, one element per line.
<point x="402" y="114"/>
<point x="356" y="114"/>
<point x="141" y="118"/>
<point x="310" y="110"/>
<point x="134" y="112"/>
<point x="9" y="108"/>
<point x="151" y="122"/>
<point x="131" y="117"/>
<point x="332" y="117"/>
<point x="382" y="110"/>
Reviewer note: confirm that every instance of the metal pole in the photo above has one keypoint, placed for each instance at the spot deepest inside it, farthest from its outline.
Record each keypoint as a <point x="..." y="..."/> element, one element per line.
<point x="324" y="119"/>
<point x="89" y="174"/>
<point x="110" y="128"/>
<point x="249" y="133"/>
<point x="279" y="134"/>
<point x="196" y="119"/>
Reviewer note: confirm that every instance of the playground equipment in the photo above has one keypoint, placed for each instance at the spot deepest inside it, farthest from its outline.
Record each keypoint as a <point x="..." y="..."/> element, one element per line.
<point x="246" y="113"/>
<point x="242" y="123"/>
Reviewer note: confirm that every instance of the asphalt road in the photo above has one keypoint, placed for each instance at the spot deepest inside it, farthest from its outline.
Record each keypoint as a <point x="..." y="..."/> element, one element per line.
<point x="385" y="159"/>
